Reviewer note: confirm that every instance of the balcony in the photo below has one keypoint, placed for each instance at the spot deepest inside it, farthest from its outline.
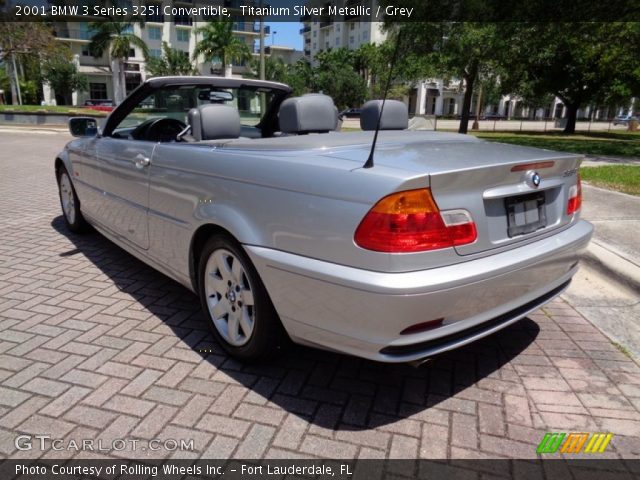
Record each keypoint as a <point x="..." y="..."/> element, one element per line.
<point x="306" y="29"/>
<point x="256" y="28"/>
<point x="73" y="34"/>
<point x="307" y="53"/>
<point x="326" y="23"/>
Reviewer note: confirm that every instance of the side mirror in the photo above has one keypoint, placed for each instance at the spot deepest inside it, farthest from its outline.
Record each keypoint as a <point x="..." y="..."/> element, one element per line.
<point x="83" y="126"/>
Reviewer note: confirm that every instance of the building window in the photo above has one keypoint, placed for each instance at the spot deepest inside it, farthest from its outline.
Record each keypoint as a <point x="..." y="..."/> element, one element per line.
<point x="452" y="106"/>
<point x="155" y="52"/>
<point x="315" y="45"/>
<point x="98" y="91"/>
<point x="85" y="32"/>
<point x="315" y="33"/>
<point x="326" y="45"/>
<point x="85" y="51"/>
<point x="337" y="41"/>
<point x="132" y="80"/>
<point x="182" y="34"/>
<point x="352" y="26"/>
<point x="182" y="19"/>
<point x="132" y="52"/>
<point x="155" y="33"/>
<point x="351" y="39"/>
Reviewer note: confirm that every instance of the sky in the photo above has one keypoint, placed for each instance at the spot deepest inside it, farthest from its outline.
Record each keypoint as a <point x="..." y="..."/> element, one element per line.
<point x="288" y="34"/>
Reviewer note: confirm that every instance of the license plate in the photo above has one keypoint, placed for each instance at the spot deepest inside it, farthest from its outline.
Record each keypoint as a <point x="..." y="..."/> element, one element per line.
<point x="525" y="213"/>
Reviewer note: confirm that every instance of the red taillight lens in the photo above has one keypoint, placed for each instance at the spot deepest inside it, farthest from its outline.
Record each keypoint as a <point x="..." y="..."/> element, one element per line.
<point x="575" y="197"/>
<point x="410" y="221"/>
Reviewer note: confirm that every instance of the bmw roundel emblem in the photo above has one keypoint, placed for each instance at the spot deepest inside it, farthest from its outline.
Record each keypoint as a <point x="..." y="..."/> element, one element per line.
<point x="535" y="179"/>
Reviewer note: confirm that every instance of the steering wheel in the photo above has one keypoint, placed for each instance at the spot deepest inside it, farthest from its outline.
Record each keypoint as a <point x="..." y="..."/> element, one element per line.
<point x="164" y="130"/>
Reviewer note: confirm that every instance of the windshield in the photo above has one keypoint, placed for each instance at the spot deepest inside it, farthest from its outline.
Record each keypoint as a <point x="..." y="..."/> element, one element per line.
<point x="175" y="102"/>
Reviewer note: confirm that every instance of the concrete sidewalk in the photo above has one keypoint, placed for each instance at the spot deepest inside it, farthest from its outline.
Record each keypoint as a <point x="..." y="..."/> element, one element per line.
<point x="606" y="289"/>
<point x="615" y="245"/>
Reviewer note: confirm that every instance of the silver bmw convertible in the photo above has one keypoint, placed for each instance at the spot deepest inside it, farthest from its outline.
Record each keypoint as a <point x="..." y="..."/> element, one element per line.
<point x="289" y="229"/>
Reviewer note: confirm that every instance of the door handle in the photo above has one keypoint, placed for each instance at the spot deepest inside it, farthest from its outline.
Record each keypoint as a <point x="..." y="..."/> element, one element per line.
<point x="141" y="161"/>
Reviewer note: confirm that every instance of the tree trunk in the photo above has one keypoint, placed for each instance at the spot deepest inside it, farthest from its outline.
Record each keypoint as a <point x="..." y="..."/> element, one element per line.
<point x="469" y="79"/>
<point x="12" y="83"/>
<point x="123" y="82"/>
<point x="572" y="113"/>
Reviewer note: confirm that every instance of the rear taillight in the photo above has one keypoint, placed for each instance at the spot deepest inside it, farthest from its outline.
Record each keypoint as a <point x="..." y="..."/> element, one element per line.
<point x="410" y="221"/>
<point x="575" y="197"/>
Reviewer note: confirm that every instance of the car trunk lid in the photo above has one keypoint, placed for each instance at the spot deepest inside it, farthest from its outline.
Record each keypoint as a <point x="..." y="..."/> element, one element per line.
<point x="513" y="193"/>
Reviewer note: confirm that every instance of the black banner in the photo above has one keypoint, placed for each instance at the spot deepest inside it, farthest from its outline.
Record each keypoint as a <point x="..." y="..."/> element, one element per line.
<point x="533" y="469"/>
<point x="324" y="12"/>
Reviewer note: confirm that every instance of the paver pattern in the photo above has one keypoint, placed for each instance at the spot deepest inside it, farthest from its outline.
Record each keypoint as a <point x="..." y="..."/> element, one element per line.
<point x="96" y="345"/>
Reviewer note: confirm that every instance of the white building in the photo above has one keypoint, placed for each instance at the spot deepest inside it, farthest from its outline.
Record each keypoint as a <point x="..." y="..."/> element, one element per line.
<point x="178" y="32"/>
<point x="339" y="32"/>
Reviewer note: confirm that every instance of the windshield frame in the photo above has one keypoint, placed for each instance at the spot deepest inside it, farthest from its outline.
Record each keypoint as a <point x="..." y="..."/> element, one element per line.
<point x="267" y="124"/>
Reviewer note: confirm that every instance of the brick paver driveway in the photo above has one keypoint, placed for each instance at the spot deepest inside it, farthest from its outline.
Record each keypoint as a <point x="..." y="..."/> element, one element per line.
<point x="95" y="345"/>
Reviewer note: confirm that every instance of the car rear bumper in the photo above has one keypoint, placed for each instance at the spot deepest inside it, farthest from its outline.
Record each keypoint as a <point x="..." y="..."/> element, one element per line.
<point x="361" y="312"/>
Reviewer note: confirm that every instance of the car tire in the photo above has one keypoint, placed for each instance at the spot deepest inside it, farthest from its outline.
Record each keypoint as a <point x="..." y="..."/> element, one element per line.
<point x="70" y="204"/>
<point x="236" y="304"/>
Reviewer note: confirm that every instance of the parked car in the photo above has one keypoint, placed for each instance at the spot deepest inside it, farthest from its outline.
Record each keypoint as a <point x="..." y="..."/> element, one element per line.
<point x="275" y="221"/>
<point x="99" y="102"/>
<point x="624" y="119"/>
<point x="100" y="105"/>
<point x="351" y="113"/>
<point x="493" y="116"/>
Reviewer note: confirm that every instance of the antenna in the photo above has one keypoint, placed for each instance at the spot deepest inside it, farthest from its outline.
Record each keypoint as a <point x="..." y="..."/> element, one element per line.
<point x="369" y="162"/>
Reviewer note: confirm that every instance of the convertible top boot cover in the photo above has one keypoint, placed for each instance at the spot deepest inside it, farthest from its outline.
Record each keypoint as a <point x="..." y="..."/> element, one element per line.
<point x="312" y="113"/>
<point x="395" y="115"/>
<point x="214" y="121"/>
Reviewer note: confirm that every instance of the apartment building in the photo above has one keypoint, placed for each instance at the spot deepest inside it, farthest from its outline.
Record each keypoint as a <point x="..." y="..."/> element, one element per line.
<point x="178" y="31"/>
<point x="346" y="31"/>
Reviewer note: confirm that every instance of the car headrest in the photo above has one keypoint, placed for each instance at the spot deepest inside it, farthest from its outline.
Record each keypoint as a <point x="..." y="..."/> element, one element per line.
<point x="395" y="115"/>
<point x="311" y="113"/>
<point x="214" y="121"/>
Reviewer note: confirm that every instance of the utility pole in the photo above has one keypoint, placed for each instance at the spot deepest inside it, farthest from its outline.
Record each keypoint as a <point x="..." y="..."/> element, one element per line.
<point x="262" y="75"/>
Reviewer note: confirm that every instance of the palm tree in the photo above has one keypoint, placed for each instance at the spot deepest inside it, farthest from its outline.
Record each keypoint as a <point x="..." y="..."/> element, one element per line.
<point x="117" y="38"/>
<point x="219" y="42"/>
<point x="172" y="62"/>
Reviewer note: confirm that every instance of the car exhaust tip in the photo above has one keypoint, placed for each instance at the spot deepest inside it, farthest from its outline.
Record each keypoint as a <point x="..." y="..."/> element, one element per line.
<point x="421" y="362"/>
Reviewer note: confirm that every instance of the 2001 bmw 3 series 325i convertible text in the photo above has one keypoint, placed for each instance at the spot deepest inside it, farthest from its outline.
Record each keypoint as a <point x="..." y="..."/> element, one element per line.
<point x="251" y="198"/>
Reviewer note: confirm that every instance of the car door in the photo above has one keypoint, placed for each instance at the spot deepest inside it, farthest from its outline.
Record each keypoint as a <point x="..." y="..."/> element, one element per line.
<point x="82" y="155"/>
<point x="123" y="179"/>
<point x="124" y="155"/>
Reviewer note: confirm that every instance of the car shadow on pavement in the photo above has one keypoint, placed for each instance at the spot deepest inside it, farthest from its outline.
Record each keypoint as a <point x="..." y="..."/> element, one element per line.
<point x="329" y="390"/>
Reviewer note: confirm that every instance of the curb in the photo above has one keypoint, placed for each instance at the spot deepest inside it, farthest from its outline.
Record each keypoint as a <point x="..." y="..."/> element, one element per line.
<point x="26" y="126"/>
<point x="612" y="265"/>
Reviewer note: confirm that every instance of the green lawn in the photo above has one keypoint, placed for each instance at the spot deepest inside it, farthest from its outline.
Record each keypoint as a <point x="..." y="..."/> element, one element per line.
<point x="611" y="144"/>
<point x="622" y="178"/>
<point x="49" y="109"/>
